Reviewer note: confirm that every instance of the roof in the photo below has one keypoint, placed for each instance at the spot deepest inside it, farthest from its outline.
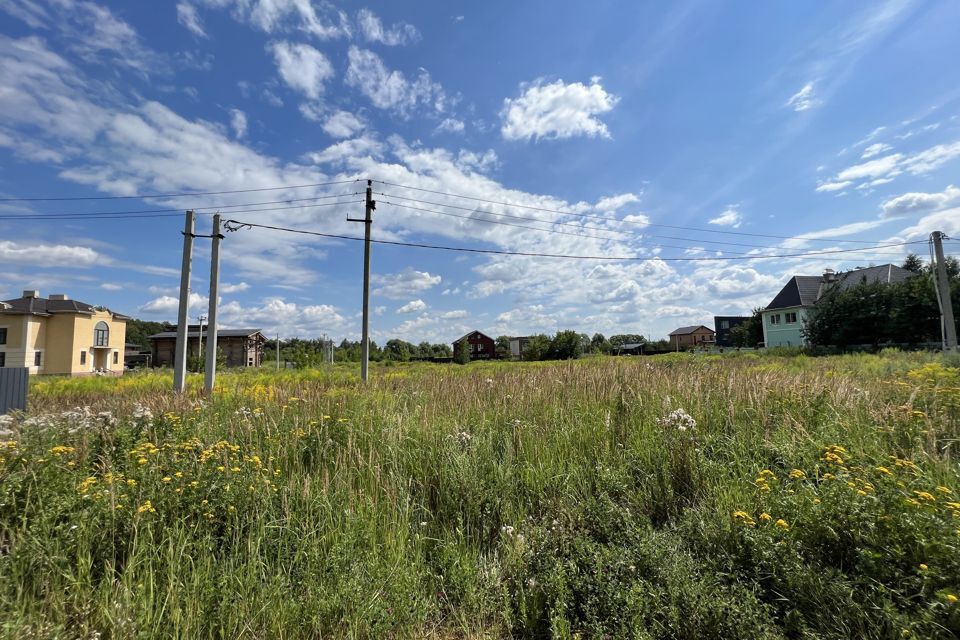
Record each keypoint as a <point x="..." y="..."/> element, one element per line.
<point x="221" y="333"/>
<point x="682" y="331"/>
<point x="465" y="336"/>
<point x="804" y="291"/>
<point x="631" y="345"/>
<point x="46" y="307"/>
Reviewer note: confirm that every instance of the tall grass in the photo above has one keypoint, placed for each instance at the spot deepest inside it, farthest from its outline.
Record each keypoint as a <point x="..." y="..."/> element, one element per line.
<point x="811" y="498"/>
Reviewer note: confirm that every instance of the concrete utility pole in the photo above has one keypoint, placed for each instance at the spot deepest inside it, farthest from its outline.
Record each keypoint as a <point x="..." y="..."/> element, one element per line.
<point x="180" y="350"/>
<point x="200" y="319"/>
<point x="278" y="352"/>
<point x="948" y="325"/>
<point x="370" y="206"/>
<point x="210" y="366"/>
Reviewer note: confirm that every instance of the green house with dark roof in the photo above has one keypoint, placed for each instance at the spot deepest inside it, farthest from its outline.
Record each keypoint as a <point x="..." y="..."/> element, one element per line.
<point x="784" y="317"/>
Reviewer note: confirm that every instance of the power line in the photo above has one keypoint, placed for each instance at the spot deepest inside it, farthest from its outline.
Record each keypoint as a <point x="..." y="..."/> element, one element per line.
<point x="571" y="224"/>
<point x="236" y="225"/>
<point x="162" y="213"/>
<point x="144" y="196"/>
<point x="646" y="224"/>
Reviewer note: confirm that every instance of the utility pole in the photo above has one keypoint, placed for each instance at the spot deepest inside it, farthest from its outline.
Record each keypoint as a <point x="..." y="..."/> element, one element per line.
<point x="200" y="346"/>
<point x="365" y="339"/>
<point x="948" y="325"/>
<point x="180" y="351"/>
<point x="210" y="366"/>
<point x="278" y="352"/>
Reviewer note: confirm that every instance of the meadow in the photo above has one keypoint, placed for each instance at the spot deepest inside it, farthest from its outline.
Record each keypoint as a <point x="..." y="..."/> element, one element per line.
<point x="674" y="496"/>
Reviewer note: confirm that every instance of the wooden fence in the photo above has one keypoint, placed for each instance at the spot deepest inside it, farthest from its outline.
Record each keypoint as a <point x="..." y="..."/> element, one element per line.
<point x="13" y="389"/>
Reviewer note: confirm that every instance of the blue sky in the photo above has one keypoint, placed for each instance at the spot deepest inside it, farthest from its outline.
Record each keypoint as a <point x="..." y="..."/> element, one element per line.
<point x="613" y="122"/>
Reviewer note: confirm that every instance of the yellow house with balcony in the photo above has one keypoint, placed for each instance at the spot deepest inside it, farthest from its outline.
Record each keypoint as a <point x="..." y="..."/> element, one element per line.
<point x="57" y="335"/>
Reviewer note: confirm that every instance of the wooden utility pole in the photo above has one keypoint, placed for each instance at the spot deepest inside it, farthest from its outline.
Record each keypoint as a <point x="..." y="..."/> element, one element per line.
<point x="210" y="365"/>
<point x="180" y="351"/>
<point x="370" y="206"/>
<point x="948" y="326"/>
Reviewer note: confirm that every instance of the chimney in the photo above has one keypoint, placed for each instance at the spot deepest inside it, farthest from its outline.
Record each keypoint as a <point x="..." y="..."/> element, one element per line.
<point x="28" y="293"/>
<point x="829" y="275"/>
<point x="58" y="296"/>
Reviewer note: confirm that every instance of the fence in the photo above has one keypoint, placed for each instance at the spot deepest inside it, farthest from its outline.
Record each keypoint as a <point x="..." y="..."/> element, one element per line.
<point x="13" y="389"/>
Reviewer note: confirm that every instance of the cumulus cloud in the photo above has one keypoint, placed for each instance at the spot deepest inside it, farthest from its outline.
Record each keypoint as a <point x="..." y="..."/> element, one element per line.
<point x="301" y="67"/>
<point x="390" y="89"/>
<point x="803" y="99"/>
<point x="729" y="218"/>
<point x="404" y="284"/>
<point x="557" y="110"/>
<point x="188" y="17"/>
<point x="238" y="122"/>
<point x="342" y="124"/>
<point x="373" y="31"/>
<point x="168" y="305"/>
<point x="47" y="255"/>
<point x="413" y="306"/>
<point x="451" y="125"/>
<point x="613" y="203"/>
<point x="233" y="288"/>
<point x="318" y="19"/>
<point x="921" y="203"/>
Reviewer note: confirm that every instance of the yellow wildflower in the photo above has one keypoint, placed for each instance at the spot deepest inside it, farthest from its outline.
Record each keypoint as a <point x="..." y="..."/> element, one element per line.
<point x="146" y="507"/>
<point x="179" y="474"/>
<point x="816" y="501"/>
<point x="923" y="495"/>
<point x="923" y="567"/>
<point x="884" y="471"/>
<point x="943" y="489"/>
<point x="141" y="461"/>
<point x="797" y="473"/>
<point x="782" y="524"/>
<point x="235" y="469"/>
<point x="743" y="517"/>
<point x="86" y="484"/>
<point x="766" y="517"/>
<point x="861" y="492"/>
<point x="131" y="482"/>
<point x="61" y="450"/>
<point x="167" y="479"/>
<point x="829" y="476"/>
<point x="951" y="598"/>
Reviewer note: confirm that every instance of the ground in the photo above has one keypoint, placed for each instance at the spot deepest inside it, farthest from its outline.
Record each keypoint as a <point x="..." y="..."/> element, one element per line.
<point x="675" y="496"/>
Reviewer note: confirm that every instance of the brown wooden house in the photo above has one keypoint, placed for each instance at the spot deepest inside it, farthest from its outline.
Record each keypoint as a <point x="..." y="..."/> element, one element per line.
<point x="480" y="346"/>
<point x="240" y="347"/>
<point x="692" y="336"/>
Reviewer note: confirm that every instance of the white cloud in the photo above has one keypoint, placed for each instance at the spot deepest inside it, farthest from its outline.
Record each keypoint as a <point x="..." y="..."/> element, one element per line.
<point x="47" y="255"/>
<point x="238" y="122"/>
<point x="413" y="306"/>
<point x="372" y="29"/>
<point x="729" y="218"/>
<point x="557" y="110"/>
<point x="613" y="203"/>
<point x="833" y="186"/>
<point x="404" y="284"/>
<point x="451" y="125"/>
<point x="169" y="305"/>
<point x="319" y="19"/>
<point x="921" y="203"/>
<point x="301" y="67"/>
<point x="456" y="314"/>
<point x="886" y="165"/>
<point x="803" y="99"/>
<point x="188" y="17"/>
<point x="109" y="286"/>
<point x="233" y="288"/>
<point x="875" y="150"/>
<point x="345" y="150"/>
<point x="388" y="89"/>
<point x="342" y="124"/>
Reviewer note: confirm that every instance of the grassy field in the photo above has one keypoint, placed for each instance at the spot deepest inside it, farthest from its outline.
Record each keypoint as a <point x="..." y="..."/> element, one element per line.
<point x="667" y="497"/>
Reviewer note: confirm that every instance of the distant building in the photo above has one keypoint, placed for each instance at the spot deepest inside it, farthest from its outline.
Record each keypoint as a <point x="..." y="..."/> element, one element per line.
<point x="629" y="349"/>
<point x="518" y="345"/>
<point x="57" y="335"/>
<point x="240" y="347"/>
<point x="784" y="317"/>
<point x="479" y="345"/>
<point x="692" y="336"/>
<point x="723" y="325"/>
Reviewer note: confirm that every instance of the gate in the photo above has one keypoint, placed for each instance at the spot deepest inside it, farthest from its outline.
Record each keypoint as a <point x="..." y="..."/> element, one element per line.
<point x="13" y="389"/>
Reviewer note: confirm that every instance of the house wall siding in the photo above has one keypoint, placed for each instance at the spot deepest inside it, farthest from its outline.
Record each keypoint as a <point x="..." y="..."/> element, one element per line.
<point x="784" y="334"/>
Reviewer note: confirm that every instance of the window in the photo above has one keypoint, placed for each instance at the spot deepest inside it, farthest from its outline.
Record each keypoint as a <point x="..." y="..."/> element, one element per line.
<point x="101" y="335"/>
<point x="791" y="317"/>
<point x="724" y="324"/>
<point x="83" y="357"/>
<point x="3" y="359"/>
<point x="36" y="358"/>
<point x="116" y="357"/>
<point x="3" y="335"/>
<point x="775" y="318"/>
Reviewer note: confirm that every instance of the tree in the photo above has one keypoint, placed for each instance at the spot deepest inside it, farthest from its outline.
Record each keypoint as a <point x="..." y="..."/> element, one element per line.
<point x="139" y="331"/>
<point x="538" y="347"/>
<point x="750" y="332"/>
<point x="396" y="349"/>
<point x="461" y="352"/>
<point x="566" y="345"/>
<point x="913" y="263"/>
<point x="503" y="346"/>
<point x="599" y="344"/>
<point x="626" y="338"/>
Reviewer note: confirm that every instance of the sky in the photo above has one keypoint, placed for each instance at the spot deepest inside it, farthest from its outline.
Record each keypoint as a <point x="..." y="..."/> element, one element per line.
<point x="716" y="145"/>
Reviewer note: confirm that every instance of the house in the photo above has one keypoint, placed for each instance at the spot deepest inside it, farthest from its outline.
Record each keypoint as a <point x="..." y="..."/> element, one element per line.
<point x="479" y="345"/>
<point x="692" y="336"/>
<point x="57" y="335"/>
<point x="723" y="325"/>
<point x="240" y="347"/>
<point x="518" y="345"/>
<point x="629" y="349"/>
<point x="784" y="317"/>
<point x="135" y="355"/>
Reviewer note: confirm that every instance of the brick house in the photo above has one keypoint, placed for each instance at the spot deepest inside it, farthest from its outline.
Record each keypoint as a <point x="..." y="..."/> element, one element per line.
<point x="479" y="345"/>
<point x="692" y="336"/>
